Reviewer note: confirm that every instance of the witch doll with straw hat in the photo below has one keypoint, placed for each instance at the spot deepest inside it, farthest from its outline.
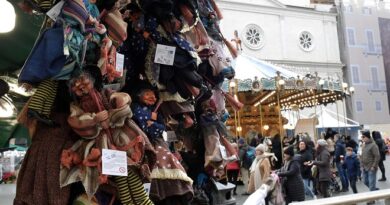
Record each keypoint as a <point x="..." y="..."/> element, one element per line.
<point x="102" y="119"/>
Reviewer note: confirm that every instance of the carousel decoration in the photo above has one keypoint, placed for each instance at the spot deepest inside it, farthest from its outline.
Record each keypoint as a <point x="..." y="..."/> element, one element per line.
<point x="276" y="90"/>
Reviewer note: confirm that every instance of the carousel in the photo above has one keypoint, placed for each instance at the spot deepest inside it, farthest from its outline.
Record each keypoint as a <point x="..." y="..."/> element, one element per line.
<point x="266" y="90"/>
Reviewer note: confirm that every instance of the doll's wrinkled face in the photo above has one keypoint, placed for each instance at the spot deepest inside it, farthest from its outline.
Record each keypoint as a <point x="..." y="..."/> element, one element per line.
<point x="82" y="85"/>
<point x="148" y="97"/>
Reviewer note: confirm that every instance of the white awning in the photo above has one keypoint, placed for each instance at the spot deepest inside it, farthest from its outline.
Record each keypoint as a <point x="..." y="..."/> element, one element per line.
<point x="326" y="119"/>
<point x="248" y="67"/>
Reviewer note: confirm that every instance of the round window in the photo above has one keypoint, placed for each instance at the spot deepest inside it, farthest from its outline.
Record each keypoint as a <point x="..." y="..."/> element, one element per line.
<point x="253" y="36"/>
<point x="306" y="41"/>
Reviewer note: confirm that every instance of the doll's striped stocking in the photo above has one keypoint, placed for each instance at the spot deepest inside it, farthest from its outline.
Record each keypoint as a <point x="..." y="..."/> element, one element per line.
<point x="131" y="190"/>
<point x="43" y="98"/>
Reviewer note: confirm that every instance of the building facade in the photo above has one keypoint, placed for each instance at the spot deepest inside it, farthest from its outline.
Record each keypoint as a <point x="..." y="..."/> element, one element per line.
<point x="363" y="30"/>
<point x="297" y="37"/>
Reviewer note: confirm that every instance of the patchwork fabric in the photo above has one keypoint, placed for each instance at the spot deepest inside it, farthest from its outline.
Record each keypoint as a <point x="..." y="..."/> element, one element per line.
<point x="117" y="28"/>
<point x="75" y="11"/>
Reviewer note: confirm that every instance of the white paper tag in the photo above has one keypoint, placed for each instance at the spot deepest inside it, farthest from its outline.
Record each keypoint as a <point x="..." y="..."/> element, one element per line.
<point x="114" y="86"/>
<point x="223" y="151"/>
<point x="147" y="188"/>
<point x="165" y="54"/>
<point x="114" y="162"/>
<point x="120" y="63"/>
<point x="54" y="12"/>
<point x="66" y="51"/>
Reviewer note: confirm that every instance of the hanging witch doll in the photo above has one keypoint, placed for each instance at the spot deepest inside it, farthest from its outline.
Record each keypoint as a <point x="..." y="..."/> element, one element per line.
<point x="102" y="119"/>
<point x="218" y="151"/>
<point x="168" y="171"/>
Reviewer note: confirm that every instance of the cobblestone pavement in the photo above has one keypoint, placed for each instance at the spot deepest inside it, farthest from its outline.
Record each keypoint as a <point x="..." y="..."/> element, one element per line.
<point x="7" y="193"/>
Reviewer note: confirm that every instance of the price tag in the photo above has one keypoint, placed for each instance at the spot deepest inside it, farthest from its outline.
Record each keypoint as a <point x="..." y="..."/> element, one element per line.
<point x="66" y="51"/>
<point x="114" y="162"/>
<point x="223" y="151"/>
<point x="147" y="188"/>
<point x="120" y="63"/>
<point x="165" y="54"/>
<point x="54" y="12"/>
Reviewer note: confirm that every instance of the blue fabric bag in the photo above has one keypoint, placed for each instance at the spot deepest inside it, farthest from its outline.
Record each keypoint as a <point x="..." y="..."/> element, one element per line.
<point x="46" y="58"/>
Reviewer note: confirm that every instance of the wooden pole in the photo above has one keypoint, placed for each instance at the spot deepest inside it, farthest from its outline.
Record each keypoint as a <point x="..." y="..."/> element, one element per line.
<point x="235" y="122"/>
<point x="261" y="121"/>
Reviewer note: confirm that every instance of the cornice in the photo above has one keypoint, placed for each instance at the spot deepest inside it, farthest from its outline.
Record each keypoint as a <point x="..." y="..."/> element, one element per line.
<point x="277" y="11"/>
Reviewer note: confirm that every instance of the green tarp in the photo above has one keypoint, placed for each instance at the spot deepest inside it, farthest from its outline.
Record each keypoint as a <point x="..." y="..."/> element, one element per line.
<point x="16" y="45"/>
<point x="10" y="129"/>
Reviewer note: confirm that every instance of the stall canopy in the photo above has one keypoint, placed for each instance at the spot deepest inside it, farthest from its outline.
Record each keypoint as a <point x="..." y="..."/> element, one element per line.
<point x="330" y="119"/>
<point x="326" y="118"/>
<point x="246" y="67"/>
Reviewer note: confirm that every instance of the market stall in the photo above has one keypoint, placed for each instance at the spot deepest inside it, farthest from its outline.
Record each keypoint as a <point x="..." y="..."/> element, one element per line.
<point x="110" y="80"/>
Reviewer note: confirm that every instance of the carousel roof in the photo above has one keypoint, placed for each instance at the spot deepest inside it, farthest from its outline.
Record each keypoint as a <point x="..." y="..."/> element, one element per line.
<point x="259" y="82"/>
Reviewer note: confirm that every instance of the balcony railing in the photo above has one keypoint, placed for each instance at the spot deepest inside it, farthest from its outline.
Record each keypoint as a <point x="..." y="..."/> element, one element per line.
<point x="372" y="49"/>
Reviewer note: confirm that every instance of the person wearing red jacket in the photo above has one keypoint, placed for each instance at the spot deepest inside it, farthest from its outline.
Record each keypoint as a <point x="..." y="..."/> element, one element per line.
<point x="232" y="170"/>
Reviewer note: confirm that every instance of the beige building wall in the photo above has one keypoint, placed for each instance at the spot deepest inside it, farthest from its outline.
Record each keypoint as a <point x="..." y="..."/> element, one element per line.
<point x="364" y="63"/>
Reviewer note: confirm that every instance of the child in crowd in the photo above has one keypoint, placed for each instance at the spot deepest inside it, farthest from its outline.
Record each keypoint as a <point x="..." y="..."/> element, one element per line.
<point x="352" y="165"/>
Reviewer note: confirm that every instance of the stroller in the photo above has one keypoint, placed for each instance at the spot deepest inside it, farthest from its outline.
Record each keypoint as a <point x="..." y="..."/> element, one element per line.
<point x="334" y="185"/>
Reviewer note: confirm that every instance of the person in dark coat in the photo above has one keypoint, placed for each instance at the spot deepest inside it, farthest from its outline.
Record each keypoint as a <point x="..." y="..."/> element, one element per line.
<point x="351" y="143"/>
<point x="306" y="156"/>
<point x="381" y="146"/>
<point x="352" y="164"/>
<point x="277" y="150"/>
<point x="339" y="154"/>
<point x="253" y="142"/>
<point x="244" y="162"/>
<point x="291" y="177"/>
<point x="323" y="165"/>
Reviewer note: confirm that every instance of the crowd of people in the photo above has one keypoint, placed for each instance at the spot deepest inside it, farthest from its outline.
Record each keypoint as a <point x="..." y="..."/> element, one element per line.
<point x="308" y="169"/>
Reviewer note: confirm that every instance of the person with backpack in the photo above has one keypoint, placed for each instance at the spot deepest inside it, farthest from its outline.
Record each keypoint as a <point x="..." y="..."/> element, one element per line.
<point x="246" y="155"/>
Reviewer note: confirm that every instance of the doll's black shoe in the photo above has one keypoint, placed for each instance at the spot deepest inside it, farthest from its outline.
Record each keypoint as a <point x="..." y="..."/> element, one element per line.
<point x="41" y="118"/>
<point x="204" y="94"/>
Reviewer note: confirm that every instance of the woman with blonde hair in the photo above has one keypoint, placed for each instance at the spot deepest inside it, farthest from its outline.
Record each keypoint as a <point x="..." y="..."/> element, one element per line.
<point x="260" y="169"/>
